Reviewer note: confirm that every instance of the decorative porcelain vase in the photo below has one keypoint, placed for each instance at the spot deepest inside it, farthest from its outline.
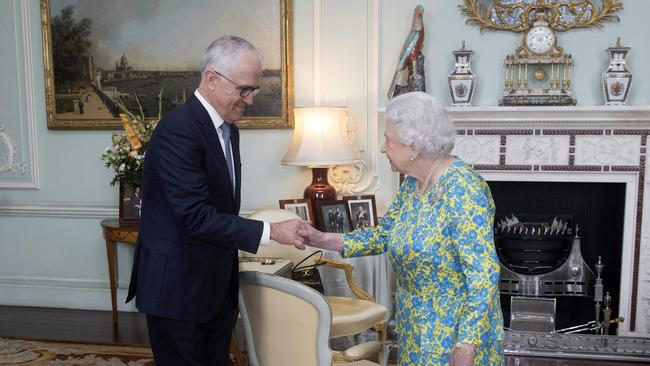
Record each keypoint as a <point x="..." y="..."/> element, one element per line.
<point x="617" y="79"/>
<point x="462" y="81"/>
<point x="130" y="203"/>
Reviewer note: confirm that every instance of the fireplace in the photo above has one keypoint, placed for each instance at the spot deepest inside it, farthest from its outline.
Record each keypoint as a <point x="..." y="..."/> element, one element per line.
<point x="588" y="162"/>
<point x="536" y="226"/>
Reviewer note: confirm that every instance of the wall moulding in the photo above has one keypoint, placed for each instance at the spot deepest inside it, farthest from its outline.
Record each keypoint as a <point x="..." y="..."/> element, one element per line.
<point x="363" y="102"/>
<point x="18" y="145"/>
<point x="74" y="211"/>
<point x="32" y="210"/>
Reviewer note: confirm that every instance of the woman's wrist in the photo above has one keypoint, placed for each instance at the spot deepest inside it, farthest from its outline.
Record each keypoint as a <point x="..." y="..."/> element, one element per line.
<point x="466" y="348"/>
<point x="334" y="241"/>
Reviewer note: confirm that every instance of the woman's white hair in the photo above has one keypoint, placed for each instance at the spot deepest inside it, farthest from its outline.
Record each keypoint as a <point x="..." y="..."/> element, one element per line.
<point x="223" y="54"/>
<point x="422" y="123"/>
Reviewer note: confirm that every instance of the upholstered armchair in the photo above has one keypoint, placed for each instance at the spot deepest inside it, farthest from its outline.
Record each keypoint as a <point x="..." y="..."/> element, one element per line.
<point x="287" y="323"/>
<point x="350" y="315"/>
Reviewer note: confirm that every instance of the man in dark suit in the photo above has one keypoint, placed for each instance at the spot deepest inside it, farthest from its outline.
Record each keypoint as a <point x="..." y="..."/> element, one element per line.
<point x="185" y="271"/>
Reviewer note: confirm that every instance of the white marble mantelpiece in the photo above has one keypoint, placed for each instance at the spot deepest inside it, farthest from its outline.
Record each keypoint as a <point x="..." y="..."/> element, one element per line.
<point x="550" y="117"/>
<point x="573" y="144"/>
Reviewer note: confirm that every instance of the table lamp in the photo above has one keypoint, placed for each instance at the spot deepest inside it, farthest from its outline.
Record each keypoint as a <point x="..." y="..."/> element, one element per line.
<point x="319" y="143"/>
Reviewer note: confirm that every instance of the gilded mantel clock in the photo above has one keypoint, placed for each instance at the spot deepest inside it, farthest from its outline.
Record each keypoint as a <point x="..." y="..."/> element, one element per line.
<point x="539" y="71"/>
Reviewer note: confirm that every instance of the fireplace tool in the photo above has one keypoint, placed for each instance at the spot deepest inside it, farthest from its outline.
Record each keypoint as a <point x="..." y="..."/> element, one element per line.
<point x="598" y="326"/>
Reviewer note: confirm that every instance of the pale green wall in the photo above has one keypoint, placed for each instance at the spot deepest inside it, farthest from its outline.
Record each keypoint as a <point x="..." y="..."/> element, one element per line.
<point x="445" y="28"/>
<point x="51" y="250"/>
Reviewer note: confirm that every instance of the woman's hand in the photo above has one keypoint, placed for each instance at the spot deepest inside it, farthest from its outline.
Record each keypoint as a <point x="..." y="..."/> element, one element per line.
<point x="311" y="236"/>
<point x="463" y="355"/>
<point x="315" y="238"/>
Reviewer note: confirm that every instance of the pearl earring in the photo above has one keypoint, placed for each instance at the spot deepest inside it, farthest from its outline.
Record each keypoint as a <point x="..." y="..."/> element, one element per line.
<point x="412" y="158"/>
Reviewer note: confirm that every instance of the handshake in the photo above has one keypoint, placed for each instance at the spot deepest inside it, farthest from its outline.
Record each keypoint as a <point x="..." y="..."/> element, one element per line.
<point x="300" y="233"/>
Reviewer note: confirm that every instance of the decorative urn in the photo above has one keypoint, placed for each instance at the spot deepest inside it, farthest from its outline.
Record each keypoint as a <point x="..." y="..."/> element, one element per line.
<point x="617" y="79"/>
<point x="462" y="81"/>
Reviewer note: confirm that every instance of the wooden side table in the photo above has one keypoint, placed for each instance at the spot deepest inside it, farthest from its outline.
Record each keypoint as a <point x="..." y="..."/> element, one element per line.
<point x="114" y="233"/>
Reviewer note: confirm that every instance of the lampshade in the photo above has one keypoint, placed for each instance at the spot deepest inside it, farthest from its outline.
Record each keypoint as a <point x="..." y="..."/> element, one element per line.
<point x="319" y="138"/>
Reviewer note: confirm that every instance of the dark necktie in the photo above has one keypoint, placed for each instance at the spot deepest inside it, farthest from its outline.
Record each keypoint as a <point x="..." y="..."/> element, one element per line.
<point x="225" y="133"/>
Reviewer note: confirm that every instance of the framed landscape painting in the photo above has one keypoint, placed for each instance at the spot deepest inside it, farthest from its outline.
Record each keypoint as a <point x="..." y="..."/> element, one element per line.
<point x="99" y="54"/>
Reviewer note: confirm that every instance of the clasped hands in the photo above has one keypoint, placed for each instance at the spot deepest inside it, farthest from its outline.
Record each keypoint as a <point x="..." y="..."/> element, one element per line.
<point x="300" y="233"/>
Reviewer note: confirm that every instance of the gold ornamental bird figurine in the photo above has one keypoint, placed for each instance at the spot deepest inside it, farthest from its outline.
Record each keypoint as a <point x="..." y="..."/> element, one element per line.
<point x="410" y="54"/>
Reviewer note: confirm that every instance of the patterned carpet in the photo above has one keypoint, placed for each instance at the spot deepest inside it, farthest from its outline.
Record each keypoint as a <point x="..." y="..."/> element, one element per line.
<point x="19" y="352"/>
<point x="38" y="353"/>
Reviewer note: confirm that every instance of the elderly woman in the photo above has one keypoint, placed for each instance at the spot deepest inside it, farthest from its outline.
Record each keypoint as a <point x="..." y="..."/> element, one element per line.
<point x="438" y="233"/>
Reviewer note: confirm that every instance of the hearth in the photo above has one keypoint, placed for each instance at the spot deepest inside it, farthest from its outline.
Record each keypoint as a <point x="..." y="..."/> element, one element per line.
<point x="610" y="349"/>
<point x="549" y="237"/>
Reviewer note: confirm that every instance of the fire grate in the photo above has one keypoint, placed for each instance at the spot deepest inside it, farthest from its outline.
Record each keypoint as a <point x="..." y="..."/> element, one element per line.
<point x="540" y="256"/>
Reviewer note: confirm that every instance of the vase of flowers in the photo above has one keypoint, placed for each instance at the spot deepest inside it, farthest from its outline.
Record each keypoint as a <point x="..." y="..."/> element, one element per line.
<point x="126" y="157"/>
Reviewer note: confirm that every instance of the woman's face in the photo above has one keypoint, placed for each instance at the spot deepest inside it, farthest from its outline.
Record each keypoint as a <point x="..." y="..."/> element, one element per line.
<point x="397" y="153"/>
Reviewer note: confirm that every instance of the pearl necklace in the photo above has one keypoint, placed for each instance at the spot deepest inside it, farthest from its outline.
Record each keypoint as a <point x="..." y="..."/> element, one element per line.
<point x="420" y="189"/>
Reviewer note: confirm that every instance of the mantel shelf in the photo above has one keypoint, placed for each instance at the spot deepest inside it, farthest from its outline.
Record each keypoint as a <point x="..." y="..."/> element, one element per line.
<point x="523" y="114"/>
<point x="562" y="117"/>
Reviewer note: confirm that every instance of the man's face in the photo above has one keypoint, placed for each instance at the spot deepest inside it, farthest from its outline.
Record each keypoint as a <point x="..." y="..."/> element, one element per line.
<point x="225" y="90"/>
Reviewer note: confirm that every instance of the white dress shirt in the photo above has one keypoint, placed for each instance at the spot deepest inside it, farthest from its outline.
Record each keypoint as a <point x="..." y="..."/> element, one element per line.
<point x="217" y="121"/>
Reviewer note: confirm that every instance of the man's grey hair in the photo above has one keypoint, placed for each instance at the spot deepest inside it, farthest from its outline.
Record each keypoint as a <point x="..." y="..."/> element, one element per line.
<point x="223" y="54"/>
<point x="421" y="122"/>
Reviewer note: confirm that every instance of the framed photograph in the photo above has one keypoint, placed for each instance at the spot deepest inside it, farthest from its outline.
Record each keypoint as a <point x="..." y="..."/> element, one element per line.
<point x="99" y="53"/>
<point x="130" y="204"/>
<point x="363" y="210"/>
<point x="301" y="207"/>
<point x="333" y="216"/>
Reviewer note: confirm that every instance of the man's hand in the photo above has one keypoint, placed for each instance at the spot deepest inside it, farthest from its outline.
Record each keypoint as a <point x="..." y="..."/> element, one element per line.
<point x="286" y="232"/>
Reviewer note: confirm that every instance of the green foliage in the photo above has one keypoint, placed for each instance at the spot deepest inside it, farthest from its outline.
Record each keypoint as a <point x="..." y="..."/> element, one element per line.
<point x="70" y="43"/>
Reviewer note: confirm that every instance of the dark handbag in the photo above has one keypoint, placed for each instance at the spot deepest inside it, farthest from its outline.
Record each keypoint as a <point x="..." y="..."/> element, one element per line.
<point x="308" y="274"/>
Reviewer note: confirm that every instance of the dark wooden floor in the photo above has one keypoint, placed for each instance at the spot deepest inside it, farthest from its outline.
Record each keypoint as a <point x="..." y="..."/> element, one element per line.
<point x="73" y="325"/>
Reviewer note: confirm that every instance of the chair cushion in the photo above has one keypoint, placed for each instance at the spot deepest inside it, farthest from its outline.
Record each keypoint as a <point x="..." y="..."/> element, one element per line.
<point x="363" y="351"/>
<point x="351" y="316"/>
<point x="355" y="363"/>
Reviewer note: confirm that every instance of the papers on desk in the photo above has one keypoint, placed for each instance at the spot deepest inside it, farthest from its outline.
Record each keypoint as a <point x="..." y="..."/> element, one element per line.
<point x="276" y="266"/>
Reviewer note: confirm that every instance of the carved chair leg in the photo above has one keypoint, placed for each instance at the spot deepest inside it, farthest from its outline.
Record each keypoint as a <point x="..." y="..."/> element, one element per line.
<point x="382" y="335"/>
<point x="236" y="353"/>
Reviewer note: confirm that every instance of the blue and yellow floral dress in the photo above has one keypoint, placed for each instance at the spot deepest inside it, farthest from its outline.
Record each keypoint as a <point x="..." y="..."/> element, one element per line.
<point x="441" y="248"/>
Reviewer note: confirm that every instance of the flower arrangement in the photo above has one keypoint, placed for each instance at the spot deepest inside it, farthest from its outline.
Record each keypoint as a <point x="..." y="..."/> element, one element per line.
<point x="126" y="155"/>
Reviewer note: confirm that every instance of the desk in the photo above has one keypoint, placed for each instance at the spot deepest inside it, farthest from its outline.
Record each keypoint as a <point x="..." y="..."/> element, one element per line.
<point x="114" y="233"/>
<point x="275" y="266"/>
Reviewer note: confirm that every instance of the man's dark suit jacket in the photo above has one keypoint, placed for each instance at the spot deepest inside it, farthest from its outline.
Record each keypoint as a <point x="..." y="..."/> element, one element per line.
<point x="190" y="231"/>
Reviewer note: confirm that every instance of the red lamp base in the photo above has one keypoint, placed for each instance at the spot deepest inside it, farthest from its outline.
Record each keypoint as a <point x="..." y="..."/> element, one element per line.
<point x="320" y="189"/>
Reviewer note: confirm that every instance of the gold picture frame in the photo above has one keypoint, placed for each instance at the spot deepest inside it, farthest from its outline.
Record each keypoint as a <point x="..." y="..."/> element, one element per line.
<point x="516" y="16"/>
<point x="71" y="114"/>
